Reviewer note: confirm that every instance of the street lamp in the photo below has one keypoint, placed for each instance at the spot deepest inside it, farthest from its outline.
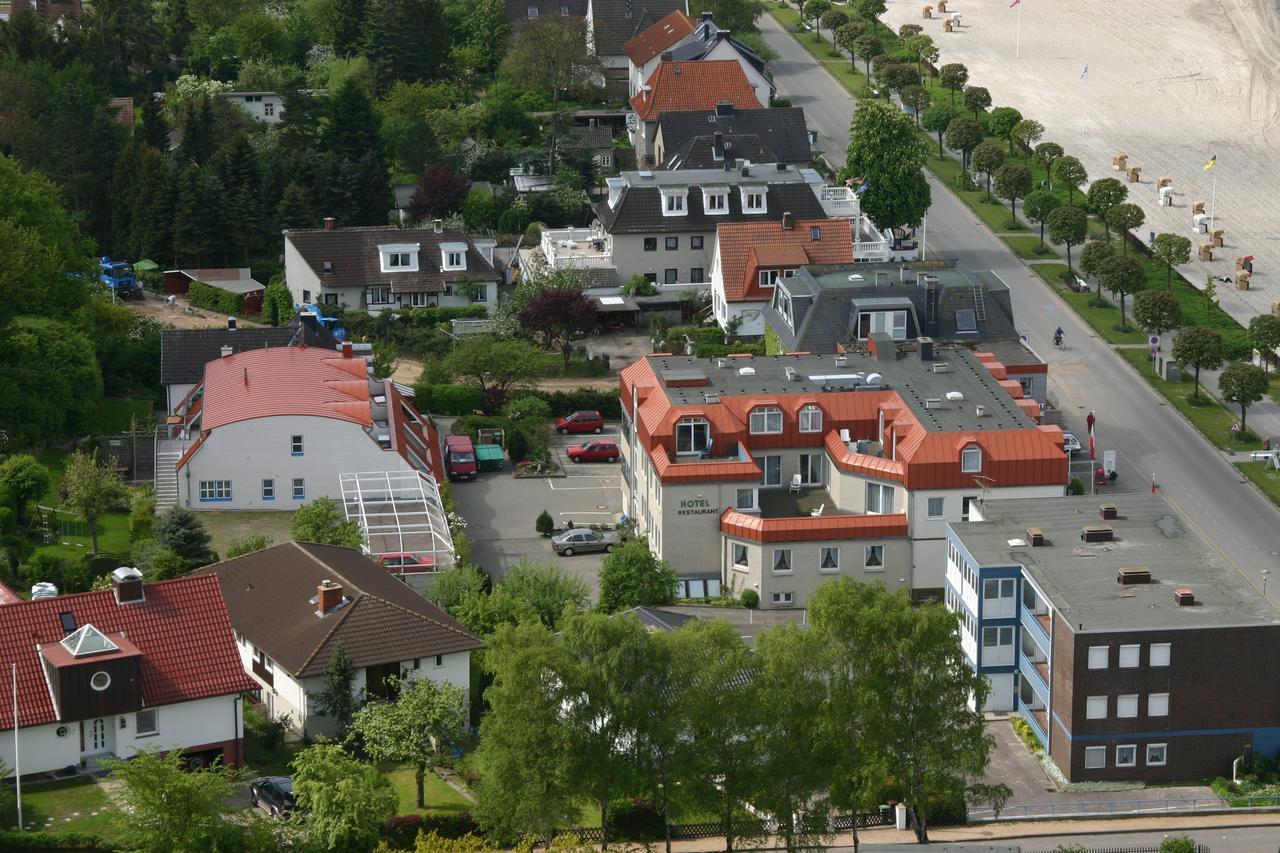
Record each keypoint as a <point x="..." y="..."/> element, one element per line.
<point x="1265" y="572"/>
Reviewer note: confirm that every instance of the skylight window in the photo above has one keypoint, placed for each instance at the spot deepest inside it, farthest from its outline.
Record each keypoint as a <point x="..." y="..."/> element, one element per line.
<point x="88" y="641"/>
<point x="966" y="321"/>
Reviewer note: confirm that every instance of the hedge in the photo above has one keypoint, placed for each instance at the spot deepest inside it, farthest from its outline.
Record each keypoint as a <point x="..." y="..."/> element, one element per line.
<point x="449" y="399"/>
<point x="456" y="400"/>
<point x="39" y="840"/>
<point x="205" y="296"/>
<point x="402" y="830"/>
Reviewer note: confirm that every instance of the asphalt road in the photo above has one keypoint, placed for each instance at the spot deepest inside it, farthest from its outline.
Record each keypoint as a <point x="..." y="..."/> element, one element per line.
<point x="1151" y="439"/>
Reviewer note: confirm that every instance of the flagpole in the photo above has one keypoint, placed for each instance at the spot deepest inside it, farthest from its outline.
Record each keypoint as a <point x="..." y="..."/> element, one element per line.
<point x="17" y="754"/>
<point x="1018" y="43"/>
<point x="1213" y="200"/>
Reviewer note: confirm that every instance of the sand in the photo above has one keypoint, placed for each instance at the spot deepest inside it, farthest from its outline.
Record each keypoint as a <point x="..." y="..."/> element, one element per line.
<point x="1171" y="83"/>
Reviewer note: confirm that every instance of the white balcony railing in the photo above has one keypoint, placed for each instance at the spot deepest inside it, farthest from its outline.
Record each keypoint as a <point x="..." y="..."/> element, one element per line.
<point x="840" y="202"/>
<point x="577" y="248"/>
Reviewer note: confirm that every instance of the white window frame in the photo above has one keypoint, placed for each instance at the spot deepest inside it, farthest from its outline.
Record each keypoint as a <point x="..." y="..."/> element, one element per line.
<point x="740" y="555"/>
<point x="215" y="490"/>
<point x="769" y="278"/>
<point x="380" y="295"/>
<point x="766" y="420"/>
<point x="480" y="292"/>
<point x="296" y="445"/>
<point x="767" y="467"/>
<point x="754" y="200"/>
<point x="1159" y="654"/>
<point x="268" y="488"/>
<point x="783" y="597"/>
<point x="399" y="257"/>
<point x="942" y="508"/>
<point x="876" y="505"/>
<point x="1127" y="702"/>
<point x="1095" y="758"/>
<point x="1157" y="704"/>
<point x="675" y="202"/>
<point x="691" y="425"/>
<point x="715" y="202"/>
<point x="752" y="505"/>
<point x="299" y="491"/>
<point x="967" y="455"/>
<point x="832" y="552"/>
<point x="811" y="418"/>
<point x="1130" y="655"/>
<point x="873" y="552"/>
<point x="788" y="561"/>
<point x="1099" y="657"/>
<point x="1133" y="760"/>
<point x="1164" y="754"/>
<point x="138" y="730"/>
<point x="1095" y="708"/>
<point x="816" y="463"/>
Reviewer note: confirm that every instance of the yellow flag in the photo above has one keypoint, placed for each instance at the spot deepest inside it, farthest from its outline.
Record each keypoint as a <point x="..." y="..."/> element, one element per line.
<point x="1212" y="160"/>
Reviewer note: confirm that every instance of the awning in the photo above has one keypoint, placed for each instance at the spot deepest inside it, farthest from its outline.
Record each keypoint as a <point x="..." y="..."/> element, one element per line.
<point x="616" y="304"/>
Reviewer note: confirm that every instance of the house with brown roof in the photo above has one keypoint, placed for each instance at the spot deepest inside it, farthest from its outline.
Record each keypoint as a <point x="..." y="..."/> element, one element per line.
<point x="613" y="23"/>
<point x="688" y="86"/>
<point x="685" y="40"/>
<point x="383" y="268"/>
<point x="238" y="281"/>
<point x="293" y="605"/>
<point x="109" y="673"/>
<point x="50" y="10"/>
<point x="644" y="51"/>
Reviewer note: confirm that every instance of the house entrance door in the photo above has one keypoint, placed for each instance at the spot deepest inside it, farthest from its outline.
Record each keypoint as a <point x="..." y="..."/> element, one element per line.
<point x="93" y="736"/>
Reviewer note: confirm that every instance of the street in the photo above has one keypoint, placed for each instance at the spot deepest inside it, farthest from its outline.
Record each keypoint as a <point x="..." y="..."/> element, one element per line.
<point x="1151" y="440"/>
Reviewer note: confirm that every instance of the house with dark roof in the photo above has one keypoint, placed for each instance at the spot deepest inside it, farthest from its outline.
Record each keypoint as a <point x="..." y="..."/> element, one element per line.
<point x="613" y="23"/>
<point x="50" y="10"/>
<point x="382" y="268"/>
<point x="109" y="673"/>
<point x="688" y="86"/>
<point x="293" y="605"/>
<point x="701" y="139"/>
<point x="519" y="11"/>
<point x="266" y="107"/>
<point x="596" y="138"/>
<point x="709" y="42"/>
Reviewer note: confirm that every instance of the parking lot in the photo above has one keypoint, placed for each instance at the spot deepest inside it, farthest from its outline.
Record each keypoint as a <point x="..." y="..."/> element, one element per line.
<point x="501" y="510"/>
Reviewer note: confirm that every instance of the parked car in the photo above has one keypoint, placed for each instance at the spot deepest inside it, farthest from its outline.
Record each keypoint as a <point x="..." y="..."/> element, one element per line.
<point x="460" y="458"/>
<point x="407" y="562"/>
<point x="581" y="540"/>
<point x="594" y="451"/>
<point x="273" y="794"/>
<point x="580" y="422"/>
<point x="1070" y="444"/>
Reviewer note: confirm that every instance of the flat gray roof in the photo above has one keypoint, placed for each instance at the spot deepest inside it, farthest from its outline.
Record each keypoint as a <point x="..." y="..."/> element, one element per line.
<point x="757" y="173"/>
<point x="892" y="275"/>
<point x="1079" y="578"/>
<point x="923" y="385"/>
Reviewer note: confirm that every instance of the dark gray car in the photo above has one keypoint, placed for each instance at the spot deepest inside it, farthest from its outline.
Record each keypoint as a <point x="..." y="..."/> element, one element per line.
<point x="581" y="540"/>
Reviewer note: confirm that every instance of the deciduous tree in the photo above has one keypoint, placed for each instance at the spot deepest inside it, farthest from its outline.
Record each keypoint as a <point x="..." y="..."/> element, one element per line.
<point x="50" y="380"/>
<point x="813" y="10"/>
<point x="1013" y="181"/>
<point x="737" y="16"/>
<point x="320" y="522"/>
<point x="1001" y="123"/>
<point x="92" y="488"/>
<point x="953" y="76"/>
<point x="1157" y="311"/>
<point x="1125" y="218"/>
<point x="833" y="19"/>
<point x="1104" y="194"/>
<point x="868" y="46"/>
<point x="439" y="193"/>
<point x="1071" y="172"/>
<point x="546" y="589"/>
<point x="917" y="99"/>
<point x="1038" y="205"/>
<point x="846" y="37"/>
<point x="1068" y="225"/>
<point x="347" y="802"/>
<point x="1243" y="384"/>
<point x="964" y="134"/>
<point x="1199" y="347"/>
<point x="1026" y="134"/>
<point x="559" y="315"/>
<point x="1172" y="250"/>
<point x="633" y="577"/>
<point x="887" y="151"/>
<point x="1122" y="276"/>
<point x="1264" y="334"/>
<point x="976" y="99"/>
<point x="937" y="119"/>
<point x="1093" y="258"/>
<point x="494" y="366"/>
<point x="23" y="480"/>
<point x="871" y="10"/>
<point x="921" y="47"/>
<point x="1047" y="154"/>
<point x="336" y="699"/>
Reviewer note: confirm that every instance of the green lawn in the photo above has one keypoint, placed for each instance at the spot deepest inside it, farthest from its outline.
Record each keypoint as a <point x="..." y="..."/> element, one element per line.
<point x="1267" y="479"/>
<point x="1030" y="248"/>
<point x="1104" y="319"/>
<point x="227" y="527"/>
<point x="75" y="543"/>
<point x="1209" y="416"/>
<point x="440" y="798"/>
<point x="118" y="415"/>
<point x="72" y="805"/>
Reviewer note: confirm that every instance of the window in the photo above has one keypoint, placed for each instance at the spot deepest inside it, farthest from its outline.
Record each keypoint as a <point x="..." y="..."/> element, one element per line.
<point x="1096" y="708"/>
<point x="829" y="559"/>
<point x="397" y="260"/>
<point x="330" y="298"/>
<point x="1126" y="755"/>
<point x="671" y="244"/>
<point x="422" y="300"/>
<point x="1099" y="657"/>
<point x="766" y="420"/>
<point x="268" y="109"/>
<point x="673" y="204"/>
<point x="811" y="419"/>
<point x="326" y="266"/>
<point x="781" y="560"/>
<point x="693" y="435"/>
<point x="715" y="203"/>
<point x="1160" y="654"/>
<point x="990" y="637"/>
<point x="811" y="465"/>
<point x="695" y="242"/>
<point x="480" y="293"/>
<point x="299" y="489"/>
<point x="964" y="506"/>
<point x="1129" y="656"/>
<point x="268" y="490"/>
<point x="146" y="723"/>
<point x="671" y="276"/>
<point x="1158" y="705"/>
<point x="879" y="499"/>
<point x="651" y="244"/>
<point x="533" y="11"/>
<point x="1127" y="706"/>
<point x="651" y="277"/>
<point x="971" y="460"/>
<point x="564" y="10"/>
<point x="696" y="275"/>
<point x="782" y="598"/>
<point x="606" y="160"/>
<point x="439" y="661"/>
<point x="998" y="588"/>
<point x="768" y="278"/>
<point x="770" y="470"/>
<point x="295" y="445"/>
<point x="746" y="499"/>
<point x="875" y="557"/>
<point x="753" y="200"/>
<point x="380" y="296"/>
<point x="1157" y="753"/>
<point x="740" y="555"/>
<point x="936" y="507"/>
<point x="215" y="490"/>
<point x="306" y="296"/>
<point x="100" y="680"/>
<point x="453" y="260"/>
<point x="1095" y="757"/>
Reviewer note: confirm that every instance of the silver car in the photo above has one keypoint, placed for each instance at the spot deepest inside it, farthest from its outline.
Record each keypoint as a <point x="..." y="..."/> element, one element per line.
<point x="1070" y="444"/>
<point x="581" y="540"/>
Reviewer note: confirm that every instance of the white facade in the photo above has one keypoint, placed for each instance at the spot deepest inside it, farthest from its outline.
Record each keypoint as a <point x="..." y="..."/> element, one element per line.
<point x="761" y="84"/>
<point x="267" y="107"/>
<point x="750" y="314"/>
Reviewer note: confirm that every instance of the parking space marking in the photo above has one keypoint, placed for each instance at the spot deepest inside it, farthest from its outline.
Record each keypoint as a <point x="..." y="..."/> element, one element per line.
<point x="584" y="512"/>
<point x="554" y="488"/>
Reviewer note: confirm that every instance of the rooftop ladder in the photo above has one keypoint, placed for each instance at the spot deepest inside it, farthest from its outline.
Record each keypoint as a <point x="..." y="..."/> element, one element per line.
<point x="979" y="304"/>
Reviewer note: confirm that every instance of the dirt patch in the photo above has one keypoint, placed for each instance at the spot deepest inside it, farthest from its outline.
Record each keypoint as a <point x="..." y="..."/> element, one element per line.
<point x="178" y="317"/>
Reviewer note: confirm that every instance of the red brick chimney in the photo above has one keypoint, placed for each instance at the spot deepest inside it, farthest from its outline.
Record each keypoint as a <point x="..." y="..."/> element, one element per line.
<point x="328" y="596"/>
<point x="329" y="222"/>
<point x="347" y="350"/>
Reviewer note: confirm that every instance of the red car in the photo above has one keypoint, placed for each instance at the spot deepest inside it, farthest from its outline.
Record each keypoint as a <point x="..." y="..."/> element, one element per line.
<point x="408" y="563"/>
<point x="594" y="451"/>
<point x="580" y="422"/>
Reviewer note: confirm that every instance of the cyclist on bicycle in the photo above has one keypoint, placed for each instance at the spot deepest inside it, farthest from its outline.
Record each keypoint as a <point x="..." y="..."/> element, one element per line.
<point x="1057" y="338"/>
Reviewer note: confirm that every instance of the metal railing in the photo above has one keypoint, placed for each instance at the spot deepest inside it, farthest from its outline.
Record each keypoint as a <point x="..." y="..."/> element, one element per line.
<point x="1112" y="808"/>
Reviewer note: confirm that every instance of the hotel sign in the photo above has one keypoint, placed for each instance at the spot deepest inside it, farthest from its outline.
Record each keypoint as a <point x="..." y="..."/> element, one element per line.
<point x="697" y="506"/>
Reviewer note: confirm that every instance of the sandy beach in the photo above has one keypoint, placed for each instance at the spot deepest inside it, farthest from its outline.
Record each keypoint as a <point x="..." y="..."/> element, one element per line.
<point x="1170" y="83"/>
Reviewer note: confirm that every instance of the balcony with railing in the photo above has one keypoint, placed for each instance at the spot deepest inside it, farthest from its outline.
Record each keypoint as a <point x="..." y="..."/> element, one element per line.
<point x="1037" y="625"/>
<point x="577" y="248"/>
<point x="840" y="202"/>
<point x="1035" y="673"/>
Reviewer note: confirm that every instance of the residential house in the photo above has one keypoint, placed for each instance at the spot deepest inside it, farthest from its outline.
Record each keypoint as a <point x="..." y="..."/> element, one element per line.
<point x="50" y="10"/>
<point x="596" y="138"/>
<point x="1132" y="648"/>
<point x="293" y="605"/>
<point x="266" y="107"/>
<point x="709" y="42"/>
<point x="238" y="281"/>
<point x="644" y="51"/>
<point x="700" y="139"/>
<point x="519" y="11"/>
<point x="687" y="86"/>
<point x="776" y="473"/>
<point x="109" y="673"/>
<point x="122" y="113"/>
<point x="612" y="23"/>
<point x="384" y="268"/>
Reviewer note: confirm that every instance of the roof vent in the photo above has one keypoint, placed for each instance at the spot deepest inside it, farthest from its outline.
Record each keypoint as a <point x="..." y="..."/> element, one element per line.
<point x="1184" y="596"/>
<point x="1107" y="512"/>
<point x="940" y="367"/>
<point x="955" y="396"/>
<point x="1130" y="575"/>
<point x="384" y="439"/>
<point x="746" y="371"/>
<point x="227" y="350"/>
<point x="127" y="582"/>
<point x="43" y="589"/>
<point x="979" y="410"/>
<point x="842" y="360"/>
<point x="932" y="402"/>
<point x="874" y="378"/>
<point x="1035" y="536"/>
<point x="711" y="396"/>
<point x="1097" y="533"/>
<point x="722" y="363"/>
<point x="791" y="374"/>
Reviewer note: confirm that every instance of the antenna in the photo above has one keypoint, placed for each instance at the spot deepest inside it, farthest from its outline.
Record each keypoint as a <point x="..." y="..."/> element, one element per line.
<point x="984" y="483"/>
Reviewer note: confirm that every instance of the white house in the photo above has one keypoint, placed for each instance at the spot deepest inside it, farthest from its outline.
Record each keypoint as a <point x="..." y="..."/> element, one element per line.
<point x="266" y="107"/>
<point x="105" y="674"/>
<point x="293" y="605"/>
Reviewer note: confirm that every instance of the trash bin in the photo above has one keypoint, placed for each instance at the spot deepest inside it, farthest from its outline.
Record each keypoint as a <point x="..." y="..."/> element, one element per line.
<point x="489" y="457"/>
<point x="900" y="817"/>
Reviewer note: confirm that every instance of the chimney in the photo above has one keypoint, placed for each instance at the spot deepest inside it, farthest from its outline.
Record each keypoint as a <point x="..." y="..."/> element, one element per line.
<point x="925" y="346"/>
<point x="746" y="170"/>
<point x="1130" y="575"/>
<point x="1185" y="596"/>
<point x="227" y="350"/>
<point x="438" y="226"/>
<point x="127" y="582"/>
<point x="1108" y="511"/>
<point x="346" y="349"/>
<point x="781" y="167"/>
<point x="328" y="596"/>
<point x="1035" y="537"/>
<point x="667" y="56"/>
<point x="1096" y="533"/>
<point x="704" y="17"/>
<point x="717" y="146"/>
<point x="787" y="223"/>
<point x="329" y="222"/>
<point x="231" y="324"/>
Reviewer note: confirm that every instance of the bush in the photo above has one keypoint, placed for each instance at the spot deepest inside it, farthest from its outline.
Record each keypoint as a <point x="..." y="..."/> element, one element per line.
<point x="1026" y="734"/>
<point x="1075" y="487"/>
<point x="750" y="598"/>
<point x="517" y="446"/>
<point x="42" y="841"/>
<point x="580" y="399"/>
<point x="204" y="296"/>
<point x="1178" y="844"/>
<point x="544" y="525"/>
<point x="636" y="819"/>
<point x="448" y="399"/>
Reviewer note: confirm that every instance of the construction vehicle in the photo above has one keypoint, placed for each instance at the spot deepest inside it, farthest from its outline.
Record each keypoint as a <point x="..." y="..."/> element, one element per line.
<point x="119" y="279"/>
<point x="333" y="324"/>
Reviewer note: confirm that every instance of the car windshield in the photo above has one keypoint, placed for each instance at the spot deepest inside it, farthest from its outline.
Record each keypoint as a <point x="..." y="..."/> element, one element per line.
<point x="463" y="457"/>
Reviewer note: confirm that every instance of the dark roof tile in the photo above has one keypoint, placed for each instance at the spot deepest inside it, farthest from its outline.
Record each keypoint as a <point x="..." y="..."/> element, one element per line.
<point x="782" y="128"/>
<point x="355" y="263"/>
<point x="639" y="209"/>
<point x="618" y="21"/>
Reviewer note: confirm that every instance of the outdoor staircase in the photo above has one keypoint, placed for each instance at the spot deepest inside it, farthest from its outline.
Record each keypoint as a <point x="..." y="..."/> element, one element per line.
<point x="166" y="479"/>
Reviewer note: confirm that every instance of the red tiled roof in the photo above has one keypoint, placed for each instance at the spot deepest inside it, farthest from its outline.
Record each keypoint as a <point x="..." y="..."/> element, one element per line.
<point x="182" y="630"/>
<point x="123" y="115"/>
<point x="8" y="596"/>
<point x="663" y="35"/>
<point x="285" y="381"/>
<point x="695" y="86"/>
<point x="806" y="528"/>
<point x="747" y="247"/>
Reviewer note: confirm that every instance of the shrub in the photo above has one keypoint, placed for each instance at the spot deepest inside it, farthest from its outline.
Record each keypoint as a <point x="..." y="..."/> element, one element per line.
<point x="1026" y="734"/>
<point x="448" y="399"/>
<point x="589" y="399"/>
<point x="402" y="830"/>
<point x="544" y="525"/>
<point x="1178" y="844"/>
<point x="636" y="819"/>
<point x="750" y="598"/>
<point x="204" y="296"/>
<point x="44" y="841"/>
<point x="451" y="825"/>
<point x="517" y="446"/>
<point x="1075" y="487"/>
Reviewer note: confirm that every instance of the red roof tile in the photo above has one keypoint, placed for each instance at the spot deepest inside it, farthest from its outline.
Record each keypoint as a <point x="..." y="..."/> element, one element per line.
<point x="806" y="528"/>
<point x="663" y="35"/>
<point x="695" y="86"/>
<point x="182" y="630"/>
<point x="285" y="381"/>
<point x="744" y="248"/>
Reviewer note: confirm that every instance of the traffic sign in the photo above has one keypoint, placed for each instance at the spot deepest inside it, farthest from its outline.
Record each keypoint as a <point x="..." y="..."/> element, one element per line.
<point x="1155" y="340"/>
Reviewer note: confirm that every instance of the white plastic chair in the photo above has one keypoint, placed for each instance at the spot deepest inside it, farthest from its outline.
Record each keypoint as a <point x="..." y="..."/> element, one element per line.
<point x="817" y="512"/>
<point x="795" y="484"/>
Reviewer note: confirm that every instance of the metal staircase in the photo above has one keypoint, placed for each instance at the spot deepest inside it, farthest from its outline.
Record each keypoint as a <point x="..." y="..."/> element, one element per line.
<point x="166" y="479"/>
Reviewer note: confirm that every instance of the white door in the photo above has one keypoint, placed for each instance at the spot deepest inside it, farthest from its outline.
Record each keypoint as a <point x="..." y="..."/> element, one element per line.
<point x="93" y="736"/>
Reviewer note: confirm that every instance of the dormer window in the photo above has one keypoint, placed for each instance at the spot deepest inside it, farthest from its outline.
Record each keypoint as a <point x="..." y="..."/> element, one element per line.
<point x="533" y="11"/>
<point x="811" y="419"/>
<point x="768" y="278"/>
<point x="971" y="460"/>
<point x="753" y="200"/>
<point x="88" y="641"/>
<point x="766" y="420"/>
<point x="397" y="257"/>
<point x="453" y="256"/>
<point x="673" y="202"/>
<point x="327" y="266"/>
<point x="715" y="201"/>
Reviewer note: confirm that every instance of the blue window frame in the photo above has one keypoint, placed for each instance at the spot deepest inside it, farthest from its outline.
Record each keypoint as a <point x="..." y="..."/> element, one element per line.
<point x="215" y="490"/>
<point x="268" y="490"/>
<point x="299" y="489"/>
<point x="295" y="445"/>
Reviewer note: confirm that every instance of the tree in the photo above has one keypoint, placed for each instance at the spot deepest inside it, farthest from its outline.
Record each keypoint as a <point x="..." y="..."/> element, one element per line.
<point x="544" y="524"/>
<point x="1068" y="225"/>
<point x="813" y="10"/>
<point x="1125" y="218"/>
<point x="737" y="16"/>
<point x="868" y="46"/>
<point x="887" y="151"/>
<point x="1157" y="311"/>
<point x="1243" y="384"/>
<point x="871" y="10"/>
<point x="1013" y="181"/>
<point x="1264" y="334"/>
<point x="953" y="76"/>
<point x="320" y="522"/>
<point x="405" y="40"/>
<point x="413" y="729"/>
<point x="964" y="134"/>
<point x="545" y="590"/>
<point x="921" y="47"/>
<point x="552" y="54"/>
<point x="917" y="99"/>
<point x="1001" y="123"/>
<point x="23" y="480"/>
<point x="1071" y="172"/>
<point x="833" y="19"/>
<point x="439" y="193"/>
<point x="897" y="76"/>
<point x="1122" y="276"/>
<point x="50" y="379"/>
<point x="452" y="586"/>
<point x="937" y="119"/>
<point x="1178" y="844"/>
<point x="1104" y="194"/>
<point x="1199" y="347"/>
<point x="277" y="304"/>
<point x="347" y="802"/>
<point x="487" y="29"/>
<point x="1172" y="250"/>
<point x="1026" y="134"/>
<point x="335" y="699"/>
<point x="1046" y="154"/>
<point x="559" y="315"/>
<point x="1038" y="205"/>
<point x="976" y="99"/>
<point x="295" y="209"/>
<point x="1093" y="258"/>
<point x="92" y="489"/>
<point x="846" y="36"/>
<point x="180" y="530"/>
<point x="492" y="365"/>
<point x="633" y="577"/>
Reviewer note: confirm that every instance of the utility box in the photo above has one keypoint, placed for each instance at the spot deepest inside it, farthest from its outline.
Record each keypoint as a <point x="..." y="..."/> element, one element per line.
<point x="1168" y="369"/>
